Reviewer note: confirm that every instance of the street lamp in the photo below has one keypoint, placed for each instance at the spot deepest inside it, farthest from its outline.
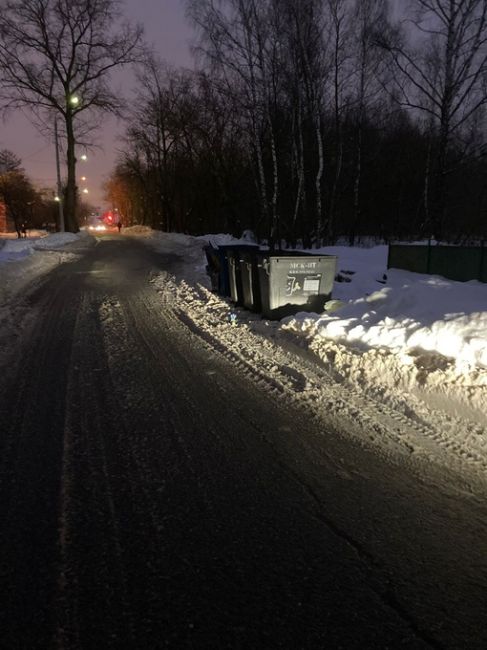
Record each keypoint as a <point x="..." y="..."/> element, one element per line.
<point x="58" y="174"/>
<point x="71" y="102"/>
<point x="84" y="157"/>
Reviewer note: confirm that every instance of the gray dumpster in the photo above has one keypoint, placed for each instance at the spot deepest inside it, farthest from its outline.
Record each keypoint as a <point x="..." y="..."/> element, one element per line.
<point x="293" y="282"/>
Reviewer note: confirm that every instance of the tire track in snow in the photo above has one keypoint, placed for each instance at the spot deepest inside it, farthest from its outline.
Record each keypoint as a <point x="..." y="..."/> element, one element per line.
<point x="423" y="434"/>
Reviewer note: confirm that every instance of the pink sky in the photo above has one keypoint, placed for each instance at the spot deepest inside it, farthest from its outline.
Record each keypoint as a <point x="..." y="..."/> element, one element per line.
<point x="166" y="29"/>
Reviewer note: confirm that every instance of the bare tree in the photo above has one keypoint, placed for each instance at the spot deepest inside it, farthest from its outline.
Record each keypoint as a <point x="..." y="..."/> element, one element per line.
<point x="303" y="35"/>
<point x="56" y="59"/>
<point x="444" y="75"/>
<point x="370" y="19"/>
<point x="150" y="127"/>
<point x="339" y="15"/>
<point x="235" y="41"/>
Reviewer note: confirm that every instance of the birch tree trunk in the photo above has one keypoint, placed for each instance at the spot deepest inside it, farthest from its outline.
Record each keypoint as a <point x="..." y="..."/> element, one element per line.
<point x="443" y="75"/>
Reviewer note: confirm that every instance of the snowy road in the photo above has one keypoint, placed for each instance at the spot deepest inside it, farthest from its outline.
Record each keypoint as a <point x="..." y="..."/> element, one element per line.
<point x="152" y="495"/>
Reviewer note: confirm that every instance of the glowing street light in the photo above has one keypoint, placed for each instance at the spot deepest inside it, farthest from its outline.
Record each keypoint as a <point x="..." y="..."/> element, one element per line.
<point x="58" y="175"/>
<point x="84" y="157"/>
<point x="83" y="178"/>
<point x="85" y="191"/>
<point x="74" y="100"/>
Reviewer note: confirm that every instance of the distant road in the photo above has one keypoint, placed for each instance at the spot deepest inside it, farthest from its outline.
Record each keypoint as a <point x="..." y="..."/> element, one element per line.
<point x="152" y="497"/>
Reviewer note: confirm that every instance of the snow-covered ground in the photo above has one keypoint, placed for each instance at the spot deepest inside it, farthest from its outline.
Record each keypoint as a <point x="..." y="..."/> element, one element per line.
<point x="398" y="360"/>
<point x="23" y="262"/>
<point x="19" y="264"/>
<point x="397" y="357"/>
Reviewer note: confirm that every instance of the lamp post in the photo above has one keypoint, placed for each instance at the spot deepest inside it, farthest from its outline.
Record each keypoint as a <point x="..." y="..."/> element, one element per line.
<point x="68" y="213"/>
<point x="84" y="158"/>
<point x="59" y="185"/>
<point x="71" y="110"/>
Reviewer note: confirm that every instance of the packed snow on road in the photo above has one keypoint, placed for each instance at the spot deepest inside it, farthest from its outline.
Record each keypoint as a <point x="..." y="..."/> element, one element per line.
<point x="396" y="359"/>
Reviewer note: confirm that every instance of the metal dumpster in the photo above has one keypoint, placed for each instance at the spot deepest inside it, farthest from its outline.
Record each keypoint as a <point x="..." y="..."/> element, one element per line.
<point x="234" y="255"/>
<point x="294" y="281"/>
<point x="213" y="267"/>
<point x="249" y="273"/>
<point x="217" y="269"/>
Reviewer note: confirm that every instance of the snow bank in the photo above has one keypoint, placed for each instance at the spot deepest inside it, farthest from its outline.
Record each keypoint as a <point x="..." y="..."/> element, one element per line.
<point x="392" y="349"/>
<point x="364" y="395"/>
<point x="400" y="311"/>
<point x="384" y="331"/>
<point x="138" y="231"/>
<point x="190" y="249"/>
<point x="393" y="330"/>
<point x="23" y="262"/>
<point x="410" y="313"/>
<point x="61" y="239"/>
<point x="16" y="249"/>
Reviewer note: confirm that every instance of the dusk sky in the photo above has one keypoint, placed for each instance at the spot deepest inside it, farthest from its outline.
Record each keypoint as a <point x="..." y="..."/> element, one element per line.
<point x="168" y="31"/>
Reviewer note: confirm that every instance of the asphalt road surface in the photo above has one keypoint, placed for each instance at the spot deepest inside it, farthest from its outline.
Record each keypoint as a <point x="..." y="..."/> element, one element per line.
<point x="152" y="497"/>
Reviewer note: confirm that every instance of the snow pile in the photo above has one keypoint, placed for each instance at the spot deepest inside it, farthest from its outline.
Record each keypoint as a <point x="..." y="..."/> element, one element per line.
<point x="192" y="262"/>
<point x="138" y="231"/>
<point x="411" y="312"/>
<point x="373" y="307"/>
<point x="22" y="261"/>
<point x="17" y="249"/>
<point x="395" y="330"/>
<point x="358" y="395"/>
<point x="407" y="313"/>
<point x="61" y="239"/>
<point x="384" y="331"/>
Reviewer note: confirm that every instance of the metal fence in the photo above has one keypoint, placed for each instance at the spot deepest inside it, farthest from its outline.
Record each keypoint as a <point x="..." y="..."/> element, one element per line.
<point x="460" y="263"/>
